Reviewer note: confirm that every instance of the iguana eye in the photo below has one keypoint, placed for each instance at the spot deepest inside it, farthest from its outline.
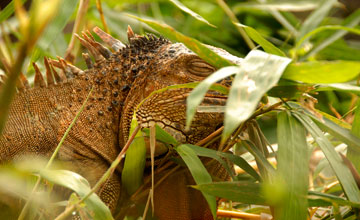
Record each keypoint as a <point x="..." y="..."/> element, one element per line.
<point x="199" y="67"/>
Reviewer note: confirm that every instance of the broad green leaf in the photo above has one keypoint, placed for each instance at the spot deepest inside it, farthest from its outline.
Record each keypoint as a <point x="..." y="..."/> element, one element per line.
<point x="293" y="167"/>
<point x="8" y="10"/>
<point x="134" y="165"/>
<point x="340" y="169"/>
<point x="350" y="21"/>
<point x="316" y="17"/>
<point x="197" y="47"/>
<point x="239" y="191"/>
<point x="198" y="171"/>
<point x="190" y="12"/>
<point x="197" y="95"/>
<point x="55" y="27"/>
<point x="96" y="208"/>
<point x="322" y="71"/>
<point x="256" y="36"/>
<point x="354" y="154"/>
<point x="258" y="73"/>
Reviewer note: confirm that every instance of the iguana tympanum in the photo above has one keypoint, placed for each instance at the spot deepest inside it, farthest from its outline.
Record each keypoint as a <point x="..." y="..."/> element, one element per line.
<point x="120" y="79"/>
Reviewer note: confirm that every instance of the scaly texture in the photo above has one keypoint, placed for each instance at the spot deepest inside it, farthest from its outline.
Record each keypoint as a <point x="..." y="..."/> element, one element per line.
<point x="39" y="116"/>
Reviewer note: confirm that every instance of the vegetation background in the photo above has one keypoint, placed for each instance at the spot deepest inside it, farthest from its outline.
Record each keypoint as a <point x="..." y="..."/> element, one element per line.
<point x="308" y="111"/>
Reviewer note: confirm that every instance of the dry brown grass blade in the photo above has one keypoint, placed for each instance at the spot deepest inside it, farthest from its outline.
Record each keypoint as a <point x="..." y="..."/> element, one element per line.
<point x="79" y="23"/>
<point x="99" y="8"/>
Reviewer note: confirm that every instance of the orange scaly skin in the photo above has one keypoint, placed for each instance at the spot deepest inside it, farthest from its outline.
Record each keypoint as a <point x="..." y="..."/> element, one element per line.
<point x="39" y="116"/>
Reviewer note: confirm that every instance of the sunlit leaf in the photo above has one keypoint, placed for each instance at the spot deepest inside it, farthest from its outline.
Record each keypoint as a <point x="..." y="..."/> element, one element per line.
<point x="258" y="73"/>
<point x="198" y="171"/>
<point x="322" y="71"/>
<point x="293" y="167"/>
<point x="302" y="5"/>
<point x="341" y="170"/>
<point x="256" y="36"/>
<point x="97" y="209"/>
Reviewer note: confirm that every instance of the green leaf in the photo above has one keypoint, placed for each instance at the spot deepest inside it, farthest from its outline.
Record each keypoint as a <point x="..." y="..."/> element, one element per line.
<point x="8" y="10"/>
<point x="190" y="12"/>
<point x="350" y="21"/>
<point x="162" y="135"/>
<point x="322" y="71"/>
<point x="316" y="17"/>
<point x="197" y="47"/>
<point x="324" y="28"/>
<point x="324" y="199"/>
<point x="96" y="208"/>
<point x="197" y="95"/>
<point x="134" y="165"/>
<point x="333" y="126"/>
<point x="353" y="154"/>
<point x="239" y="191"/>
<point x="300" y="5"/>
<point x="340" y="169"/>
<point x="258" y="73"/>
<point x="198" y="171"/>
<point x="345" y="87"/>
<point x="55" y="27"/>
<point x="256" y="36"/>
<point x="293" y="167"/>
<point x="218" y="155"/>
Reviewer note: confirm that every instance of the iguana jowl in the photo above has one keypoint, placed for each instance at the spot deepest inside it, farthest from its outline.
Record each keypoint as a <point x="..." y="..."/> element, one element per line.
<point x="39" y="116"/>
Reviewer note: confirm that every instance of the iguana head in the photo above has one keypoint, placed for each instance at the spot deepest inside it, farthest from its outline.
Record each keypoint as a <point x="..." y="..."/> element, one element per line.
<point x="169" y="64"/>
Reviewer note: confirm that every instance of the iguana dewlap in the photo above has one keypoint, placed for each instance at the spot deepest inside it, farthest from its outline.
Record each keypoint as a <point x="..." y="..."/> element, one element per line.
<point x="120" y="80"/>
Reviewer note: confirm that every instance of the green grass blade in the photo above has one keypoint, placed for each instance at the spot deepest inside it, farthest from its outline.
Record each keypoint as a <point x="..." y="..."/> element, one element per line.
<point x="324" y="199"/>
<point x="162" y="136"/>
<point x="316" y="17"/>
<point x="353" y="154"/>
<point x="97" y="209"/>
<point x="256" y="36"/>
<point x="340" y="169"/>
<point x="218" y="155"/>
<point x="134" y="165"/>
<point x="8" y="11"/>
<point x="198" y="171"/>
<point x="293" y="167"/>
<point x="322" y="71"/>
<point x="55" y="27"/>
<point x="350" y="21"/>
<point x="197" y="95"/>
<point x="182" y="7"/>
<point x="197" y="47"/>
<point x="259" y="72"/>
<point x="239" y="191"/>
<point x="333" y="126"/>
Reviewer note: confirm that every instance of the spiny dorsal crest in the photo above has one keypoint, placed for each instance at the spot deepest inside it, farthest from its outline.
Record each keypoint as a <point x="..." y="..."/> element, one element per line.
<point x="137" y="46"/>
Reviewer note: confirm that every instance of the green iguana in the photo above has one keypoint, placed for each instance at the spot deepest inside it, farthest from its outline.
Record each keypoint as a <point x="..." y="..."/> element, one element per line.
<point x="120" y="79"/>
